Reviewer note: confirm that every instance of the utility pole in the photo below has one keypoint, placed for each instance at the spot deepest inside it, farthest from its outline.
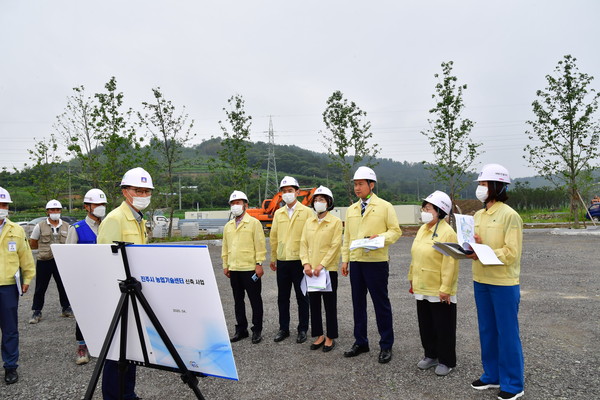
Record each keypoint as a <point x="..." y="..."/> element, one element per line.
<point x="271" y="183"/>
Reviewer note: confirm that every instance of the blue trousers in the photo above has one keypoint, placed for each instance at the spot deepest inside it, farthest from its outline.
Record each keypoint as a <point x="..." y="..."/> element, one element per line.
<point x="9" y="303"/>
<point x="371" y="277"/>
<point x="501" y="350"/>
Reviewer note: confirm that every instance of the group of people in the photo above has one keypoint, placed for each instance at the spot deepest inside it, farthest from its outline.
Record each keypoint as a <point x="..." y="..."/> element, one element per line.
<point x="17" y="268"/>
<point x="307" y="242"/>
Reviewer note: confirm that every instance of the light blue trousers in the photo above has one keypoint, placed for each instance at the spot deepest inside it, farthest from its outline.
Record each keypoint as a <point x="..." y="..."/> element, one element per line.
<point x="501" y="350"/>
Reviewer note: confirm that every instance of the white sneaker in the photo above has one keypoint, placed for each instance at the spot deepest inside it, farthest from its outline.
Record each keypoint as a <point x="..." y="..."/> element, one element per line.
<point x="442" y="370"/>
<point x="83" y="356"/>
<point x="427" y="363"/>
<point x="35" y="317"/>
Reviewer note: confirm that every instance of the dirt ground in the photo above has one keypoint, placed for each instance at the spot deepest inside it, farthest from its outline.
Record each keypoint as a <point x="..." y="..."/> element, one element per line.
<point x="560" y="331"/>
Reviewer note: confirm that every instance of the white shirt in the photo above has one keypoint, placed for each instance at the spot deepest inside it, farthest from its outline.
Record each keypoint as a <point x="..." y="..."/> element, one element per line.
<point x="291" y="210"/>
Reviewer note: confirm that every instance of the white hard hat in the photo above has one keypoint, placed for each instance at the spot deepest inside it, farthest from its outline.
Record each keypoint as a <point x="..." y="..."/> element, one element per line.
<point x="4" y="196"/>
<point x="137" y="177"/>
<point x="323" y="191"/>
<point x="365" y="173"/>
<point x="53" y="204"/>
<point x="441" y="200"/>
<point x="95" y="196"/>
<point x="237" y="195"/>
<point x="494" y="172"/>
<point x="289" y="181"/>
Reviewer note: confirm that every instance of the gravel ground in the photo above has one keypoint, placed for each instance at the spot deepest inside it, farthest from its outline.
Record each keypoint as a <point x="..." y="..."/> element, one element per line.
<point x="559" y="329"/>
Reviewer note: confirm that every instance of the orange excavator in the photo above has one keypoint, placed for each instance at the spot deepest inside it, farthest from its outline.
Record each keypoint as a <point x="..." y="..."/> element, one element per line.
<point x="269" y="206"/>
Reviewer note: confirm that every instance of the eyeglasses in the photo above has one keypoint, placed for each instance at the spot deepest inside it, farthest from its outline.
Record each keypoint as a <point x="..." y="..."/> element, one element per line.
<point x="142" y="192"/>
<point x="427" y="209"/>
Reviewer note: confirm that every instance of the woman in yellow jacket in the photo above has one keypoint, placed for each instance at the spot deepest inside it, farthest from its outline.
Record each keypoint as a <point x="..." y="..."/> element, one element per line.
<point x="433" y="278"/>
<point x="497" y="288"/>
<point x="320" y="249"/>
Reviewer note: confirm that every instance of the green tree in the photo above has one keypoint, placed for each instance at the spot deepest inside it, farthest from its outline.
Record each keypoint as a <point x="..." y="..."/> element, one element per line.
<point x="347" y="137"/>
<point x="49" y="176"/>
<point x="232" y="164"/>
<point x="169" y="132"/>
<point x="450" y="134"/>
<point x="565" y="134"/>
<point x="99" y="133"/>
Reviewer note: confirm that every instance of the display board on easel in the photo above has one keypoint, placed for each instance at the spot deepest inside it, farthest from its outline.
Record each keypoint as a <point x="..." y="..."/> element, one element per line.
<point x="180" y="285"/>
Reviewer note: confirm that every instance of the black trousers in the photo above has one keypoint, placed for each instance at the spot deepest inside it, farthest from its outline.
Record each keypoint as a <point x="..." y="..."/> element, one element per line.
<point x="437" y="326"/>
<point x="330" y="303"/>
<point x="290" y="273"/>
<point x="242" y="283"/>
<point x="44" y="270"/>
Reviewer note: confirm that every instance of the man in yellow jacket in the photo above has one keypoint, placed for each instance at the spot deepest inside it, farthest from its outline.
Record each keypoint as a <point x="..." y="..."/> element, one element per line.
<point x="244" y="250"/>
<point x="370" y="217"/>
<point x="125" y="224"/>
<point x="286" y="232"/>
<point x="15" y="254"/>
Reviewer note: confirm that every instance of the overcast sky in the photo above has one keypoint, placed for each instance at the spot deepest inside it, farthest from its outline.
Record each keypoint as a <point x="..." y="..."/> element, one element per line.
<point x="286" y="58"/>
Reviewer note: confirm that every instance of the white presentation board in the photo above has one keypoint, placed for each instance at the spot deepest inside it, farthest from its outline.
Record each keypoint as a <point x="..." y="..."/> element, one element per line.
<point x="178" y="282"/>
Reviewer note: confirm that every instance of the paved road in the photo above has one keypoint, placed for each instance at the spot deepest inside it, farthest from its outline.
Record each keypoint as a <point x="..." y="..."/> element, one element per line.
<point x="560" y="310"/>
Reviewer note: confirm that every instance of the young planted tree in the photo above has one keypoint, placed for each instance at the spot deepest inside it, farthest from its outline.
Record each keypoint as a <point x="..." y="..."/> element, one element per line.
<point x="347" y="137"/>
<point x="565" y="132"/>
<point x="450" y="134"/>
<point x="49" y="179"/>
<point x="232" y="162"/>
<point x="98" y="132"/>
<point x="169" y="131"/>
<point x="77" y="131"/>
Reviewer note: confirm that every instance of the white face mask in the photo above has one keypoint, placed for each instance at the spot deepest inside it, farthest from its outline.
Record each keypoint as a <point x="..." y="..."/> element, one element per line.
<point x="55" y="217"/>
<point x="289" y="198"/>
<point x="141" y="202"/>
<point x="99" y="211"/>
<point x="3" y="213"/>
<point x="237" y="210"/>
<point x="426" y="217"/>
<point x="481" y="193"/>
<point x="320" y="206"/>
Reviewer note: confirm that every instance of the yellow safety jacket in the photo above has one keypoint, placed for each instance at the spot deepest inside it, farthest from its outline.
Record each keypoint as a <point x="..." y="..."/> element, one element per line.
<point x="14" y="253"/>
<point x="244" y="246"/>
<point x="379" y="219"/>
<point x="321" y="242"/>
<point x="430" y="271"/>
<point x="286" y="233"/>
<point x="501" y="228"/>
<point x="120" y="225"/>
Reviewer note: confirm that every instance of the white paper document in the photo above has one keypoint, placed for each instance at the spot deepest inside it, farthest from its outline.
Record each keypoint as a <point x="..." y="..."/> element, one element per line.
<point x="465" y="233"/>
<point x="18" y="281"/>
<point x="321" y="283"/>
<point x="368" y="244"/>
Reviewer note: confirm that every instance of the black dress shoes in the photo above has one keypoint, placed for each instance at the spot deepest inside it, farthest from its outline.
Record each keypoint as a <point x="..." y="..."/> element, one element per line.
<point x="239" y="336"/>
<point x="356" y="350"/>
<point x="256" y="337"/>
<point x="385" y="356"/>
<point x="10" y="375"/>
<point x="327" y="349"/>
<point x="281" y="335"/>
<point x="301" y="337"/>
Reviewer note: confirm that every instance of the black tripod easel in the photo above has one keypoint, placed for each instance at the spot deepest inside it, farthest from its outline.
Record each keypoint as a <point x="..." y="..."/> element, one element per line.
<point x="131" y="290"/>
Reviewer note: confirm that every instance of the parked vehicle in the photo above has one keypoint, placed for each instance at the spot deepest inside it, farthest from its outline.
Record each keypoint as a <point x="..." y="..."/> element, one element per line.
<point x="594" y="212"/>
<point x="269" y="206"/>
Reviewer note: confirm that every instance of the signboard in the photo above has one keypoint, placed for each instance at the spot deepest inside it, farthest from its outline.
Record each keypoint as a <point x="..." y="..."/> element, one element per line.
<point x="178" y="282"/>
